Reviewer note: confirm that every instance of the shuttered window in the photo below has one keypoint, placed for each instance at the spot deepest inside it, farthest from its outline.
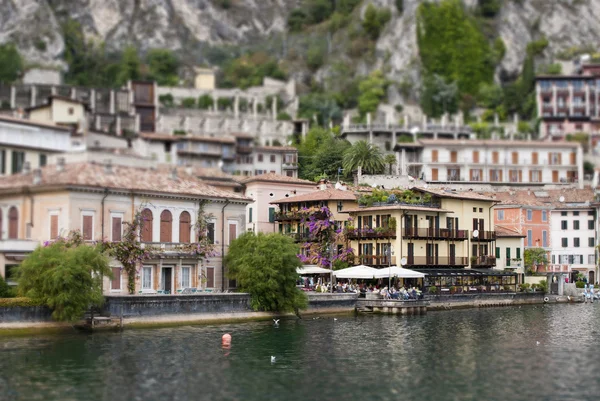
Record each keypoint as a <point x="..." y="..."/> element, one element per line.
<point x="13" y="223"/>
<point x="211" y="233"/>
<point x="53" y="226"/>
<point x="115" y="284"/>
<point x="232" y="232"/>
<point x="184" y="227"/>
<point x="117" y="225"/>
<point x="146" y="225"/>
<point x="86" y="228"/>
<point x="210" y="277"/>
<point x="166" y="224"/>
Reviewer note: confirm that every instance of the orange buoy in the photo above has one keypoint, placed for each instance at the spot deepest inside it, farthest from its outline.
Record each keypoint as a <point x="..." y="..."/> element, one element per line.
<point x="226" y="339"/>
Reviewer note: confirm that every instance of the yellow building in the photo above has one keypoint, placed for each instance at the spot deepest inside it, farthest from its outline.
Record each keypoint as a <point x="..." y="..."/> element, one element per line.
<point x="433" y="231"/>
<point x="62" y="111"/>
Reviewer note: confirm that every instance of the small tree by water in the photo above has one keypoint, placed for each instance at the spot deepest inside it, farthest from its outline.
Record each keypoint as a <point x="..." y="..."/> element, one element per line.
<point x="264" y="265"/>
<point x="66" y="276"/>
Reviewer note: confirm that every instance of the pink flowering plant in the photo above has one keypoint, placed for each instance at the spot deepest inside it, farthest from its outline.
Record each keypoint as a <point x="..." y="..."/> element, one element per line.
<point x="322" y="234"/>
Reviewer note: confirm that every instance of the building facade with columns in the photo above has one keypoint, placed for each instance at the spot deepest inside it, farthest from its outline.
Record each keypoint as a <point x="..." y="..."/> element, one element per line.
<point x="98" y="199"/>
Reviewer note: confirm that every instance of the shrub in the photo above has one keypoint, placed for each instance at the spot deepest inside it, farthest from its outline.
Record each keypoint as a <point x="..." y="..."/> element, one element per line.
<point x="166" y="100"/>
<point x="433" y="290"/>
<point x="524" y="287"/>
<point x="20" y="301"/>
<point x="179" y="132"/>
<point x="315" y="57"/>
<point x="188" y="102"/>
<point x="5" y="290"/>
<point x="283" y="116"/>
<point x="205" y="102"/>
<point x="543" y="286"/>
<point x="579" y="284"/>
<point x="374" y="20"/>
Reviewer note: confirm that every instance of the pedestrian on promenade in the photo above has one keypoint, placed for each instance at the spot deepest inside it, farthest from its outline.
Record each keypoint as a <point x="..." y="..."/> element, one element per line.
<point x="591" y="292"/>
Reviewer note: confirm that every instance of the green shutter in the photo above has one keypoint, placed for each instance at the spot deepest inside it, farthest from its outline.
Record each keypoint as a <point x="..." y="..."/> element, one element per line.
<point x="250" y="215"/>
<point x="271" y="215"/>
<point x="497" y="252"/>
<point x="518" y="253"/>
<point x="507" y="253"/>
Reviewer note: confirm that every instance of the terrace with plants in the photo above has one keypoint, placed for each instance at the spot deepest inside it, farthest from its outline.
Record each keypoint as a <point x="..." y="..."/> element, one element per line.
<point x="380" y="197"/>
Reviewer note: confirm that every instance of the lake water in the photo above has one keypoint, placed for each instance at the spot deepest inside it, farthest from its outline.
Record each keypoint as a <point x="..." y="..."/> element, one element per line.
<point x="477" y="354"/>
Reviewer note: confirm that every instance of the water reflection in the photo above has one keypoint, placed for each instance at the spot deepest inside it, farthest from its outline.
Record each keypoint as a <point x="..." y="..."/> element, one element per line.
<point x="479" y="354"/>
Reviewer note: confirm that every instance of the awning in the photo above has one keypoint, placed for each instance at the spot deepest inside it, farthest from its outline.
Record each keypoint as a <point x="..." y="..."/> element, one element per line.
<point x="312" y="269"/>
<point x="396" y="271"/>
<point x="359" y="272"/>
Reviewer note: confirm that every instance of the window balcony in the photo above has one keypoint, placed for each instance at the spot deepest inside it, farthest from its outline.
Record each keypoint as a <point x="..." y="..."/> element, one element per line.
<point x="483" y="261"/>
<point x="376" y="260"/>
<point x="290" y="166"/>
<point x="435" y="261"/>
<point x="299" y="237"/>
<point x="435" y="234"/>
<point x="18" y="245"/>
<point x="484" y="236"/>
<point x="370" y="233"/>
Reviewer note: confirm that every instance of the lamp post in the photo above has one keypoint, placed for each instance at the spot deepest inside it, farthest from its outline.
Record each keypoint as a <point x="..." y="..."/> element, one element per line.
<point x="330" y="251"/>
<point x="389" y="256"/>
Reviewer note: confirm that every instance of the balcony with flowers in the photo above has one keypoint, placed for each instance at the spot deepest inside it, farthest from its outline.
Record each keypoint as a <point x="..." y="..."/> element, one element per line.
<point x="300" y="214"/>
<point x="380" y="197"/>
<point x="371" y="233"/>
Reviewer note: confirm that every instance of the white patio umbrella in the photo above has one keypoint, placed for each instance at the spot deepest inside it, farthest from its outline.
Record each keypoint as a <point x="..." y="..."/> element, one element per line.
<point x="358" y="272"/>
<point x="312" y="269"/>
<point x="397" y="271"/>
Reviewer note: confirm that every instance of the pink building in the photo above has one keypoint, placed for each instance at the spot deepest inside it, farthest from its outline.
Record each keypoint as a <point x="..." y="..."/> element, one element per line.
<point x="265" y="188"/>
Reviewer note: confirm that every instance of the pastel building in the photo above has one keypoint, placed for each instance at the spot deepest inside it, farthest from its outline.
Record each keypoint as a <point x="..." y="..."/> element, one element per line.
<point x="264" y="189"/>
<point x="98" y="199"/>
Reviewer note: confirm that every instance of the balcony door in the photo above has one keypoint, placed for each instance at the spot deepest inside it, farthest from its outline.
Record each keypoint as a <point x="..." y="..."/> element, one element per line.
<point x="452" y="252"/>
<point x="432" y="254"/>
<point x="411" y="253"/>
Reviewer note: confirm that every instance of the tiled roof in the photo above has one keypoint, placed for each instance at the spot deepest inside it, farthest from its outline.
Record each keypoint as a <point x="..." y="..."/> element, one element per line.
<point x="572" y="197"/>
<point x="198" y="138"/>
<point x="319" y="195"/>
<point x="95" y="175"/>
<point x="498" y="143"/>
<point x="506" y="232"/>
<point x="396" y="207"/>
<point x="154" y="136"/>
<point x="456" y="195"/>
<point x="14" y="120"/>
<point x="272" y="177"/>
<point x="276" y="148"/>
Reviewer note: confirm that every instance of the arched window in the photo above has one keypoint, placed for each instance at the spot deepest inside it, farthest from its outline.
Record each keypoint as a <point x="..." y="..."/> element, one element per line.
<point x="13" y="223"/>
<point x="146" y="230"/>
<point x="184" y="227"/>
<point x="166" y="224"/>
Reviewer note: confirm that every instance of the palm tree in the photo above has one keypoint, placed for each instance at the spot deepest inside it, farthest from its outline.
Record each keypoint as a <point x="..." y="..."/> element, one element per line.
<point x="390" y="160"/>
<point x="365" y="155"/>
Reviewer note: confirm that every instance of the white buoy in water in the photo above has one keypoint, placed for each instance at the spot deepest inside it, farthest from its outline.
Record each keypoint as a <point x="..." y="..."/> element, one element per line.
<point x="273" y="359"/>
<point x="276" y="322"/>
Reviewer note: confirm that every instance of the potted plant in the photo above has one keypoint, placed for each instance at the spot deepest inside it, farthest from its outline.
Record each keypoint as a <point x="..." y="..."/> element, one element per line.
<point x="433" y="290"/>
<point x="473" y="260"/>
<point x="452" y="289"/>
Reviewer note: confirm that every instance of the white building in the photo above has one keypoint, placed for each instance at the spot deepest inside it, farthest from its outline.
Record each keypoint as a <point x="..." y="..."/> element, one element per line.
<point x="573" y="238"/>
<point x="492" y="161"/>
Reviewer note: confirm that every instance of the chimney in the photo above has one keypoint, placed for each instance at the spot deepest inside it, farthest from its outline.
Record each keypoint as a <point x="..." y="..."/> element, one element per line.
<point x="60" y="164"/>
<point x="174" y="174"/>
<point x="26" y="168"/>
<point x="37" y="176"/>
<point x="108" y="169"/>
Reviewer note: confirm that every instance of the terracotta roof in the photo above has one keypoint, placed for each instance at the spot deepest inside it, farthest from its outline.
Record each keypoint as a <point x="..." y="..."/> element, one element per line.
<point x="319" y="195"/>
<point x="198" y="138"/>
<point x="276" y="148"/>
<point x="506" y="232"/>
<point x="498" y="143"/>
<point x="396" y="207"/>
<point x="573" y="197"/>
<point x="14" y="120"/>
<point x="272" y="177"/>
<point x="95" y="175"/>
<point x="154" y="136"/>
<point x="456" y="195"/>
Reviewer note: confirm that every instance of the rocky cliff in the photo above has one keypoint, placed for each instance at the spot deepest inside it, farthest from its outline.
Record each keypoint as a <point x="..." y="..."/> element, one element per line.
<point x="180" y="24"/>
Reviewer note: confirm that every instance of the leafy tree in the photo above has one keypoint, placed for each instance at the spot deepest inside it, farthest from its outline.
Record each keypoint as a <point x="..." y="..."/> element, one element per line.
<point x="297" y="20"/>
<point x="188" y="102"/>
<point x="452" y="46"/>
<point x="163" y="66"/>
<point x="250" y="70"/>
<point x="438" y="96"/>
<point x="264" y="265"/>
<point x="490" y="95"/>
<point x="321" y="153"/>
<point x="66" y="276"/>
<point x="166" y="100"/>
<point x="319" y="10"/>
<point x="533" y="257"/>
<point x="365" y="155"/>
<point x="129" y="68"/>
<point x="321" y="105"/>
<point x="372" y="90"/>
<point x="390" y="160"/>
<point x="374" y="20"/>
<point x="11" y="63"/>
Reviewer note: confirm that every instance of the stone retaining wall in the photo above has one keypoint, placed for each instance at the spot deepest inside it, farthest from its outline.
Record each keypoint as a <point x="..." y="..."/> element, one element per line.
<point x="458" y="301"/>
<point x="11" y="314"/>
